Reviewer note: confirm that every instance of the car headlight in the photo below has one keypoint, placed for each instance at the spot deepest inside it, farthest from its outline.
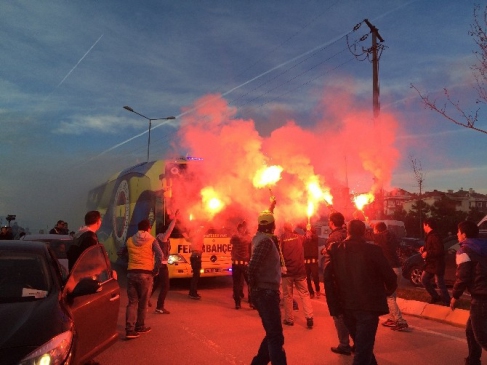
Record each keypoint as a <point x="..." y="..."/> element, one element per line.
<point x="176" y="259"/>
<point x="52" y="352"/>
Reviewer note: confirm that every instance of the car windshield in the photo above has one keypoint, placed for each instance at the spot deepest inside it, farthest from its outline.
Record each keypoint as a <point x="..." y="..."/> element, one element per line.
<point x="23" y="277"/>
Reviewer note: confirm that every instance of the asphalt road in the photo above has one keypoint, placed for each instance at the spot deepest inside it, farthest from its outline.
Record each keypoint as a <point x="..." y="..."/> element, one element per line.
<point x="211" y="331"/>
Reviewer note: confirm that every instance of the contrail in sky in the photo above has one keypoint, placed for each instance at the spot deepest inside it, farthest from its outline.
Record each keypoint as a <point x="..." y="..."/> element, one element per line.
<point x="71" y="71"/>
<point x="81" y="59"/>
<point x="243" y="84"/>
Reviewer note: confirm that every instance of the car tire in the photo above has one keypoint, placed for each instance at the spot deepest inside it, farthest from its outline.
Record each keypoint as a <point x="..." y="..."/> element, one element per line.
<point x="415" y="275"/>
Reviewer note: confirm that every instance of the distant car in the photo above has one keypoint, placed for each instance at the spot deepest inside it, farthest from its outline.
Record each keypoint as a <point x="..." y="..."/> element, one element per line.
<point x="59" y="244"/>
<point x="409" y="246"/>
<point x="50" y="319"/>
<point x="412" y="268"/>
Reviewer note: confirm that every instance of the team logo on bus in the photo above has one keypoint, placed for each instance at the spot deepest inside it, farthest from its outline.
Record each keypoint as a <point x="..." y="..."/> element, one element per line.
<point x="121" y="213"/>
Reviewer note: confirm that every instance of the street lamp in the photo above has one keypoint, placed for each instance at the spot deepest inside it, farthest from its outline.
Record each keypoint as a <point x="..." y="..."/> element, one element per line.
<point x="150" y="124"/>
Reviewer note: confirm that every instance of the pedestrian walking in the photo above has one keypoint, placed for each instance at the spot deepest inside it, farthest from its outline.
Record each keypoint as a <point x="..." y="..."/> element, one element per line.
<point x="433" y="253"/>
<point x="338" y="233"/>
<point x="358" y="279"/>
<point x="389" y="244"/>
<point x="265" y="280"/>
<point x="471" y="275"/>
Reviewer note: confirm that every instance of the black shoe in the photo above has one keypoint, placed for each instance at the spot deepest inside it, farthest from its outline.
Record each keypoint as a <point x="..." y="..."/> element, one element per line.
<point x="338" y="350"/>
<point x="288" y="323"/>
<point x="131" y="334"/>
<point x="194" y="296"/>
<point x="309" y="322"/>
<point x="143" y="330"/>
<point x="237" y="306"/>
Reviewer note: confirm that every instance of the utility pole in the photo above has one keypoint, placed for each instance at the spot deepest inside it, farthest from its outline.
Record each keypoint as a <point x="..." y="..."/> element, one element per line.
<point x="375" y="67"/>
<point x="418" y="173"/>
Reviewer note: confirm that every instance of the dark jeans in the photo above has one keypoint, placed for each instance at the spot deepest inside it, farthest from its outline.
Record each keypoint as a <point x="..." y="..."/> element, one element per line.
<point x="440" y="283"/>
<point x="476" y="331"/>
<point x="362" y="326"/>
<point x="196" y="267"/>
<point x="138" y="292"/>
<point x="162" y="280"/>
<point x="271" y="349"/>
<point x="312" y="273"/>
<point x="239" y="274"/>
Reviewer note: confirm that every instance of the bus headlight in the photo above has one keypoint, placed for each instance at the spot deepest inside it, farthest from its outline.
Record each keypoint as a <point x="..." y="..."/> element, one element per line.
<point x="175" y="259"/>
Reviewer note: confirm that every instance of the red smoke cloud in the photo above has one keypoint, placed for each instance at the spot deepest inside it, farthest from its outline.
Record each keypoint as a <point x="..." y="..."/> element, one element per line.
<point x="345" y="149"/>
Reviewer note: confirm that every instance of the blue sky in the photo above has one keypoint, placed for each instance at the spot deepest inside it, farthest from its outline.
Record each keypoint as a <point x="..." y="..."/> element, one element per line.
<point x="68" y="68"/>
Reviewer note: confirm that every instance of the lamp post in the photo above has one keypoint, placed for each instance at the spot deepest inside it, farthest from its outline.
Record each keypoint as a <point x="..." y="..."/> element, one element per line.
<point x="150" y="124"/>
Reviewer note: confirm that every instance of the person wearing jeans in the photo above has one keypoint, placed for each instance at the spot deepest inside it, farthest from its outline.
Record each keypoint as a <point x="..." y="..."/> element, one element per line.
<point x="389" y="244"/>
<point x="433" y="254"/>
<point x="358" y="279"/>
<point x="145" y="256"/>
<point x="266" y="301"/>
<point x="138" y="290"/>
<point x="295" y="276"/>
<point x="264" y="273"/>
<point x="471" y="275"/>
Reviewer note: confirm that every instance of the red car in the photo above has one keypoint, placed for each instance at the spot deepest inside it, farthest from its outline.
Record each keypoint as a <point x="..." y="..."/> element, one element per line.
<point x="50" y="317"/>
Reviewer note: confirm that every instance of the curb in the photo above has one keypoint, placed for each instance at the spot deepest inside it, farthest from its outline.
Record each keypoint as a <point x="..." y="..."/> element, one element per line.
<point x="440" y="313"/>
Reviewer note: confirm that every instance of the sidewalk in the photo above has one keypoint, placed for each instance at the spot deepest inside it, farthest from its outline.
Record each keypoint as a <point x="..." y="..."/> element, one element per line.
<point x="440" y="313"/>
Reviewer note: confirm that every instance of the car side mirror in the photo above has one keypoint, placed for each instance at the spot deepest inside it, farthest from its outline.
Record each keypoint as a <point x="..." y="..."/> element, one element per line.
<point x="86" y="286"/>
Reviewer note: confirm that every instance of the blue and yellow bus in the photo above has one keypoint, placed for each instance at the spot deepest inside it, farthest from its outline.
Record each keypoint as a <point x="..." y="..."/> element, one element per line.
<point x="147" y="191"/>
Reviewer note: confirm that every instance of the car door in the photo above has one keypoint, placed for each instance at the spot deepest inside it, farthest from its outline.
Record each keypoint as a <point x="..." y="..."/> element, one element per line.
<point x="95" y="315"/>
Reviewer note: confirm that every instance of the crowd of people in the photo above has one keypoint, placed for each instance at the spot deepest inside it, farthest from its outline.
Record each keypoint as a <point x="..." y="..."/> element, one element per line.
<point x="360" y="278"/>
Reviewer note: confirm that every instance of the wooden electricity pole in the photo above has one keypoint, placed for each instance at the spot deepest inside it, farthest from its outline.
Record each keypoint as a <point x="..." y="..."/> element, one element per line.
<point x="375" y="67"/>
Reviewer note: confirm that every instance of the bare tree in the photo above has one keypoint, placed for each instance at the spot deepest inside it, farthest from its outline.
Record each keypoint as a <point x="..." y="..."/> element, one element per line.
<point x="418" y="174"/>
<point x="451" y="108"/>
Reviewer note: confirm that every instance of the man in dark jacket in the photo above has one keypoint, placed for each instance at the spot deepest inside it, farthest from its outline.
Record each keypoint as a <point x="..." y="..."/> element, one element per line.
<point x="471" y="275"/>
<point x="338" y="234"/>
<point x="311" y="263"/>
<point x="85" y="237"/>
<point x="389" y="243"/>
<point x="358" y="280"/>
<point x="162" y="278"/>
<point x="295" y="276"/>
<point x="241" y="247"/>
<point x="433" y="253"/>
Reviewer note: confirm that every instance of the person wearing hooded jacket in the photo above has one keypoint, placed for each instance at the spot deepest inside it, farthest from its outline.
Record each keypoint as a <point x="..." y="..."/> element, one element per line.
<point x="144" y="260"/>
<point x="471" y="275"/>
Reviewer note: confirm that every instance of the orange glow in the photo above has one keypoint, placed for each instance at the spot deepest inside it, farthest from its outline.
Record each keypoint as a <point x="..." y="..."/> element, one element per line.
<point x="310" y="210"/>
<point x="267" y="176"/>
<point x="318" y="193"/>
<point x="212" y="203"/>
<point x="190" y="217"/>
<point x="363" y="199"/>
